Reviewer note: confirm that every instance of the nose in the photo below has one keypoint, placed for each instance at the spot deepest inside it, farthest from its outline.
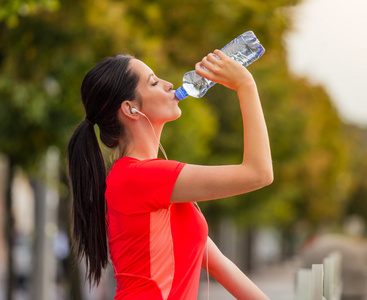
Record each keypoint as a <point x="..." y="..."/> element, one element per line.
<point x="169" y="86"/>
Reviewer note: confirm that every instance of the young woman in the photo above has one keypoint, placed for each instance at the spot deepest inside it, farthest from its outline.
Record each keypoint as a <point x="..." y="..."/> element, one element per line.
<point x="157" y="237"/>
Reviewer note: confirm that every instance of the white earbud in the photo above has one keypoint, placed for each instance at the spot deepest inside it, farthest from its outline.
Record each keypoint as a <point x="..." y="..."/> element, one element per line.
<point x="134" y="110"/>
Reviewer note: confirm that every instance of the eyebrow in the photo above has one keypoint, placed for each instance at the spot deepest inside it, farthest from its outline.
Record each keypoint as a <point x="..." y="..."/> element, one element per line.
<point x="151" y="75"/>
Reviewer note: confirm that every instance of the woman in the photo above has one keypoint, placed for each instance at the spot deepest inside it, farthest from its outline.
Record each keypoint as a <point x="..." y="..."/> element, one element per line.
<point x="157" y="237"/>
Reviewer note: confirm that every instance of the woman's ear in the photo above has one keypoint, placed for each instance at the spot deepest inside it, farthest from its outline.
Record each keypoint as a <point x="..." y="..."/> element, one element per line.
<point x="126" y="109"/>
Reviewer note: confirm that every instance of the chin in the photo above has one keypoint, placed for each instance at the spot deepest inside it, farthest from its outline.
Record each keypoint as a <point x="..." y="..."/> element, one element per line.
<point x="176" y="115"/>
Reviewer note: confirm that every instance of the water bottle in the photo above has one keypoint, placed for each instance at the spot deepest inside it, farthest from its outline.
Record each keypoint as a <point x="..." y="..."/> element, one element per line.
<point x="244" y="49"/>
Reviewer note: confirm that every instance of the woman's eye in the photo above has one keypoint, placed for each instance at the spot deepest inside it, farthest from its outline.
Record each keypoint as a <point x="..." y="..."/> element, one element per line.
<point x="155" y="83"/>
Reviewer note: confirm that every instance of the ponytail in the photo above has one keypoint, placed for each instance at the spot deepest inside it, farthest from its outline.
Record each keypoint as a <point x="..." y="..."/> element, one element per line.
<point x="87" y="173"/>
<point x="103" y="90"/>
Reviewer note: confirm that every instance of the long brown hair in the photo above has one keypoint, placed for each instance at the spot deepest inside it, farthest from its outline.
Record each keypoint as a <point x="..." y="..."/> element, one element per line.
<point x="103" y="90"/>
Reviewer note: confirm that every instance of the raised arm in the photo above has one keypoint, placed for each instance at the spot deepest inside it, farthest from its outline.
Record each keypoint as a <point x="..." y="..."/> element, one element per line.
<point x="200" y="183"/>
<point x="225" y="272"/>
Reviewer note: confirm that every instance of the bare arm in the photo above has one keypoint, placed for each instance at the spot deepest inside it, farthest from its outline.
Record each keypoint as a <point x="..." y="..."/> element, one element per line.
<point x="230" y="276"/>
<point x="199" y="183"/>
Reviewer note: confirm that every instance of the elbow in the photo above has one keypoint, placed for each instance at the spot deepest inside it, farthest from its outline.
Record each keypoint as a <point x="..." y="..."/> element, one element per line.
<point x="269" y="177"/>
<point x="258" y="177"/>
<point x="269" y="180"/>
<point x="265" y="177"/>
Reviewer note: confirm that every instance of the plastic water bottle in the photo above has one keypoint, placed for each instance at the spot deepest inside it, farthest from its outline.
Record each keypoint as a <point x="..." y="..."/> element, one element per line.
<point x="244" y="49"/>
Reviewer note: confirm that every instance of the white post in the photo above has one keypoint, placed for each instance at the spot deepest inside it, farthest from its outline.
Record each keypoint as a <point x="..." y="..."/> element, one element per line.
<point x="317" y="282"/>
<point x="303" y="285"/>
<point x="332" y="280"/>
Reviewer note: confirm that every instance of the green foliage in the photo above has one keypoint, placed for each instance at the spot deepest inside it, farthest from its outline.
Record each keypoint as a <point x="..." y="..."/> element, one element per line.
<point x="41" y="67"/>
<point x="12" y="10"/>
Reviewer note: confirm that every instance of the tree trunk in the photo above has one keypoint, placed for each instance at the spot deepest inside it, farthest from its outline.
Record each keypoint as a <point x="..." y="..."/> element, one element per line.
<point x="47" y="205"/>
<point x="9" y="231"/>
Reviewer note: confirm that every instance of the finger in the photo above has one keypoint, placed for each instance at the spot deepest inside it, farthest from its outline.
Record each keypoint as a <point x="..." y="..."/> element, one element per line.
<point x="203" y="72"/>
<point x="207" y="62"/>
<point x="212" y="58"/>
<point x="220" y="54"/>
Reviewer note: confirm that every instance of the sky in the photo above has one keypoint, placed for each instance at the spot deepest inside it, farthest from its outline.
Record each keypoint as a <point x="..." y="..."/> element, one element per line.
<point x="328" y="46"/>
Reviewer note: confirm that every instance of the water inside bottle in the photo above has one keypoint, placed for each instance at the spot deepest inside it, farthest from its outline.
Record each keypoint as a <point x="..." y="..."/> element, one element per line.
<point x="195" y="85"/>
<point x="244" y="54"/>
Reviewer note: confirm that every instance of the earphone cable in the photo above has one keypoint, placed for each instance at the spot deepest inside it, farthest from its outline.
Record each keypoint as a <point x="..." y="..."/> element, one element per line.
<point x="159" y="144"/>
<point x="207" y="258"/>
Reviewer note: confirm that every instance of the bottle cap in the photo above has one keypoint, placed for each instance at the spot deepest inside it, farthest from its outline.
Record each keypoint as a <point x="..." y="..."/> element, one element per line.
<point x="180" y="93"/>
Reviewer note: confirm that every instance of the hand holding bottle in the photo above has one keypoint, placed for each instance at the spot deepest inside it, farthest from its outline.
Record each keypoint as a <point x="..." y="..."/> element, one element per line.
<point x="219" y="68"/>
<point x="244" y="49"/>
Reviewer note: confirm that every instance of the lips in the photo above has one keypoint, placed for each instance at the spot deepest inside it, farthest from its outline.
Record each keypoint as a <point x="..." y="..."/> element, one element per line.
<point x="174" y="95"/>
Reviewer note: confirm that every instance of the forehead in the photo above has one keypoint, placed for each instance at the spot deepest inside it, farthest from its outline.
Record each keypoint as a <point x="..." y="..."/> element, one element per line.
<point x="141" y="68"/>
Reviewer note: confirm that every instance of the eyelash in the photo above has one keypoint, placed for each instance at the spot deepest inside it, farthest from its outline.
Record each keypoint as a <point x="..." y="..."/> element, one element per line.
<point x="155" y="83"/>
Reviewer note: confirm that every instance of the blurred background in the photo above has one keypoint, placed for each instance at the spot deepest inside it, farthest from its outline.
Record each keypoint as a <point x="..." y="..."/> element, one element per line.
<point x="312" y="82"/>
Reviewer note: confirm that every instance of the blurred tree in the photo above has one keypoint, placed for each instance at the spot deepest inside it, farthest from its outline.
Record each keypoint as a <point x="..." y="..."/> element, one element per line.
<point x="357" y="204"/>
<point x="11" y="11"/>
<point x="33" y="113"/>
